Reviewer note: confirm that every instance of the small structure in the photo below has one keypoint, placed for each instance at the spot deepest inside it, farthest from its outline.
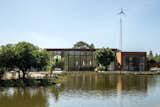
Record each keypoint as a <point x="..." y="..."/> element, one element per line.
<point x="10" y="75"/>
<point x="131" y="61"/>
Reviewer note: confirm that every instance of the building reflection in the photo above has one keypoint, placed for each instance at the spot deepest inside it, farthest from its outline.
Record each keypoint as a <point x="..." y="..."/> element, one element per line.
<point x="119" y="85"/>
<point x="89" y="84"/>
<point x="106" y="82"/>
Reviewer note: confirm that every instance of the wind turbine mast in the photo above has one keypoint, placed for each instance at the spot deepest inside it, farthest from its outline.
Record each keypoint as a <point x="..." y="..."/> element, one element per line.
<point x="121" y="13"/>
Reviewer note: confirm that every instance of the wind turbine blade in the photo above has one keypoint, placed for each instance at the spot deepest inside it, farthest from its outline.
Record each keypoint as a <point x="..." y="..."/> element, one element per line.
<point x="122" y="12"/>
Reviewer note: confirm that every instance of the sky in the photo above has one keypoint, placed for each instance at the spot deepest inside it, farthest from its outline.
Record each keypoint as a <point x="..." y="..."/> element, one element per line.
<point x="61" y="23"/>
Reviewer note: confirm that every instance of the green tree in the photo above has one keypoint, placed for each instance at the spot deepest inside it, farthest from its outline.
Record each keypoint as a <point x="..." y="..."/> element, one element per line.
<point x="59" y="62"/>
<point x="41" y="59"/>
<point x="7" y="58"/>
<point x="92" y="46"/>
<point x="153" y="60"/>
<point x="50" y="66"/>
<point x="1" y="73"/>
<point x="25" y="59"/>
<point x="82" y="44"/>
<point x="150" y="55"/>
<point x="22" y="57"/>
<point x="29" y="56"/>
<point x="104" y="56"/>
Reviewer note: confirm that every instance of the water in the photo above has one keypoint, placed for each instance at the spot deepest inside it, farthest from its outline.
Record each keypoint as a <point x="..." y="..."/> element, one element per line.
<point x="88" y="89"/>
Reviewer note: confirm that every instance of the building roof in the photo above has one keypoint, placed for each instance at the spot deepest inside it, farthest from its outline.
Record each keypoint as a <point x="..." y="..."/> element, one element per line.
<point x="75" y="49"/>
<point x="133" y="52"/>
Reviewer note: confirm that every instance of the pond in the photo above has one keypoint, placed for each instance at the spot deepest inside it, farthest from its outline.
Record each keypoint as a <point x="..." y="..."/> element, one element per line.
<point x="89" y="89"/>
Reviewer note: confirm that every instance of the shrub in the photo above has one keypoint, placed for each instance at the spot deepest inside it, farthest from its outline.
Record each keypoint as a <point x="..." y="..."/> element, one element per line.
<point x="45" y="82"/>
<point x="6" y="83"/>
<point x="31" y="82"/>
<point x="25" y="82"/>
<point x="18" y="83"/>
<point x="100" y="68"/>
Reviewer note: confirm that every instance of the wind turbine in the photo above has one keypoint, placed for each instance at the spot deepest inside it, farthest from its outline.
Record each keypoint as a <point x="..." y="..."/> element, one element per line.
<point x="121" y="13"/>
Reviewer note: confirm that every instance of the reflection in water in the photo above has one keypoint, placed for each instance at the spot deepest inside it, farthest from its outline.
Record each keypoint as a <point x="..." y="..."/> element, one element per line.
<point x="88" y="89"/>
<point x="18" y="97"/>
<point x="95" y="81"/>
<point x="119" y="85"/>
<point x="55" y="90"/>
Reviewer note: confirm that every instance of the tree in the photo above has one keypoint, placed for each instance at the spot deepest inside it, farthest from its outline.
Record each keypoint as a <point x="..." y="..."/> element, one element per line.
<point x="59" y="62"/>
<point x="2" y="71"/>
<point x="7" y="58"/>
<point x="92" y="46"/>
<point x="50" y="65"/>
<point x="22" y="57"/>
<point x="82" y="44"/>
<point x="153" y="60"/>
<point x="104" y="56"/>
<point x="150" y="56"/>
<point x="42" y="59"/>
<point x="29" y="56"/>
<point x="56" y="62"/>
<point x="157" y="58"/>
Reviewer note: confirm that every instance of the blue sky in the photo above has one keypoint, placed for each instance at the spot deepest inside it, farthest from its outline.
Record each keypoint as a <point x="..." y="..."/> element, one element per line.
<point x="61" y="23"/>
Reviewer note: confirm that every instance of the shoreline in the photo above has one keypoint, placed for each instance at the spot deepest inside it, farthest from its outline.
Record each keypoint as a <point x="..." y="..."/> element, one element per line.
<point x="33" y="82"/>
<point x="120" y="72"/>
<point x="132" y="72"/>
<point x="60" y="77"/>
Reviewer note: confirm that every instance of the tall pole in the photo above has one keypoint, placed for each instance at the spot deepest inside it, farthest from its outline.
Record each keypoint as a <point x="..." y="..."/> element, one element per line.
<point x="121" y="13"/>
<point x="121" y="38"/>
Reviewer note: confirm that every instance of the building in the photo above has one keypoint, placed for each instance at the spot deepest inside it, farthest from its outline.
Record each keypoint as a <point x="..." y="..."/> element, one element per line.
<point x="131" y="61"/>
<point x="75" y="59"/>
<point x="84" y="59"/>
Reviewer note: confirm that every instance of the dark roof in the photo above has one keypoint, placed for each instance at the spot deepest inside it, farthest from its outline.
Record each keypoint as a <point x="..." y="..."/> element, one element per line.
<point x="74" y="49"/>
<point x="133" y="52"/>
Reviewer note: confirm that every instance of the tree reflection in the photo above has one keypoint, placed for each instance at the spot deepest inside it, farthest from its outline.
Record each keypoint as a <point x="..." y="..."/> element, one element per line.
<point x="55" y="91"/>
<point x="24" y="98"/>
